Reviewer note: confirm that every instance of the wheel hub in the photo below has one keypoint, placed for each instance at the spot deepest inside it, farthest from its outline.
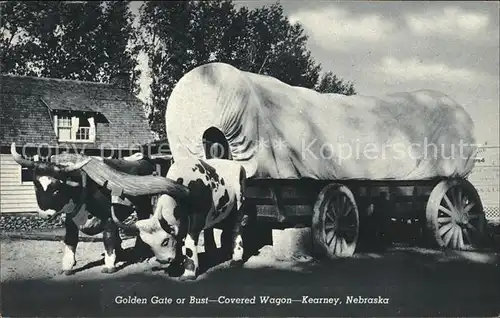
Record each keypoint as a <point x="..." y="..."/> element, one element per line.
<point x="464" y="218"/>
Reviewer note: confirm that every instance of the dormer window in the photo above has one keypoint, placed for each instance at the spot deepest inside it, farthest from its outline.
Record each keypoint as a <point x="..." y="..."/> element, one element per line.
<point x="64" y="128"/>
<point x="79" y="128"/>
<point x="83" y="132"/>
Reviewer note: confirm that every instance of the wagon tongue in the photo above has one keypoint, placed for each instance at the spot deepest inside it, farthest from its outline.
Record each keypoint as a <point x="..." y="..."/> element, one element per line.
<point x="132" y="185"/>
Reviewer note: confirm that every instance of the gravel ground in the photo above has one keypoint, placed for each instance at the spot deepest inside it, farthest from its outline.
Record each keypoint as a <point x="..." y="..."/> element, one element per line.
<point x="31" y="222"/>
<point x="416" y="281"/>
<point x="27" y="222"/>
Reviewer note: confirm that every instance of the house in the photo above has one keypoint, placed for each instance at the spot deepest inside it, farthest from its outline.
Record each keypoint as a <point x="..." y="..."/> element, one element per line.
<point x="46" y="116"/>
<point x="486" y="179"/>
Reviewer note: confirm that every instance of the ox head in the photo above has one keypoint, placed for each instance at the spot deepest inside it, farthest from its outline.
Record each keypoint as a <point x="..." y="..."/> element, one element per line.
<point x="162" y="231"/>
<point x="53" y="187"/>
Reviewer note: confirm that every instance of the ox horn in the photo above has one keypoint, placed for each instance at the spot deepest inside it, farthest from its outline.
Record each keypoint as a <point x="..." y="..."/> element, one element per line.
<point x="156" y="157"/>
<point x="19" y="158"/>
<point x="167" y="227"/>
<point x="75" y="166"/>
<point x="32" y="164"/>
<point x="128" y="227"/>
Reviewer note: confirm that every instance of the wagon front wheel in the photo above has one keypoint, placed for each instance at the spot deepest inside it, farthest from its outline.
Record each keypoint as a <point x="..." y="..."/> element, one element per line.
<point x="335" y="224"/>
<point x="455" y="216"/>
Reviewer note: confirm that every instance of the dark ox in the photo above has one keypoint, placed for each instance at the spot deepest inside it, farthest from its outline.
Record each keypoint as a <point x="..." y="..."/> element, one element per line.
<point x="212" y="196"/>
<point x="65" y="188"/>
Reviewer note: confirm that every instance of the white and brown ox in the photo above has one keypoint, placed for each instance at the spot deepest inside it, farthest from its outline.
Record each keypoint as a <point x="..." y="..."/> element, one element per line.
<point x="209" y="194"/>
<point x="64" y="188"/>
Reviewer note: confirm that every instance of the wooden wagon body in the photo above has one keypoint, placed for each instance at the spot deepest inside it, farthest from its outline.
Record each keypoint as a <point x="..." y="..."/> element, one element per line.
<point x="448" y="209"/>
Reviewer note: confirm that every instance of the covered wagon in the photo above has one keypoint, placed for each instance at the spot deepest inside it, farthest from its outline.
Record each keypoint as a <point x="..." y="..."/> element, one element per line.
<point x="327" y="160"/>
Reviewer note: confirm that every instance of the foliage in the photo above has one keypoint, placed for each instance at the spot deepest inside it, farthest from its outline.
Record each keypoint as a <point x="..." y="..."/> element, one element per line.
<point x="94" y="40"/>
<point x="330" y="83"/>
<point x="182" y="35"/>
<point x="90" y="40"/>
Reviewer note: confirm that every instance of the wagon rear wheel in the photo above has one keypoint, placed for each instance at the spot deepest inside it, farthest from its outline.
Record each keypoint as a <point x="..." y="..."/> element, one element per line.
<point x="455" y="216"/>
<point x="335" y="224"/>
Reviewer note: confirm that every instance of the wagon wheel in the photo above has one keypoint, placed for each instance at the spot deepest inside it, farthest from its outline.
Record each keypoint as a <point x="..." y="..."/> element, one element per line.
<point x="455" y="215"/>
<point x="335" y="223"/>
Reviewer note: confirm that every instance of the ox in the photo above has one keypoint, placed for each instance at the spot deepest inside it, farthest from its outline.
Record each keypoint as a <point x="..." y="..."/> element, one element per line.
<point x="64" y="188"/>
<point x="209" y="194"/>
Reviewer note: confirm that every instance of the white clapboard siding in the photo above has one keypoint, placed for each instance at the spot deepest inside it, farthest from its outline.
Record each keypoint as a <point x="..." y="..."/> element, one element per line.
<point x="14" y="195"/>
<point x="486" y="180"/>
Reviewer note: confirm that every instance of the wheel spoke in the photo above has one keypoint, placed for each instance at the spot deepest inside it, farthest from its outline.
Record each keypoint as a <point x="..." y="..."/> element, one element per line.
<point x="348" y="210"/>
<point x="329" y="216"/>
<point x="445" y="228"/>
<point x="447" y="237"/>
<point x="329" y="226"/>
<point x="452" y="196"/>
<point x="473" y="217"/>
<point x="460" y="239"/>
<point x="446" y="219"/>
<point x="344" y="245"/>
<point x="458" y="198"/>
<point x="467" y="236"/>
<point x="468" y="207"/>
<point x="451" y="206"/>
<point x="471" y="227"/>
<point x="332" y="237"/>
<point x="338" y="247"/>
<point x="326" y="205"/>
<point x="454" y="235"/>
<point x="461" y="197"/>
<point x="340" y="206"/>
<point x="445" y="210"/>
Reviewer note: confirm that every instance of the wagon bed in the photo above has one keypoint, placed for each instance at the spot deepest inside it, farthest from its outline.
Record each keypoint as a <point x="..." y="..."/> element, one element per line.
<point x="449" y="208"/>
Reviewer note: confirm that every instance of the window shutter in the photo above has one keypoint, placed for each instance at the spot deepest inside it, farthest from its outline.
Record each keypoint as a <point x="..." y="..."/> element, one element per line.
<point x="56" y="125"/>
<point x="92" y="131"/>
<point x="75" y="123"/>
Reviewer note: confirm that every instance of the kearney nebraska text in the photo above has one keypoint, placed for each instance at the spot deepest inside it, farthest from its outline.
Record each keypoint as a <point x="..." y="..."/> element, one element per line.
<point x="269" y="300"/>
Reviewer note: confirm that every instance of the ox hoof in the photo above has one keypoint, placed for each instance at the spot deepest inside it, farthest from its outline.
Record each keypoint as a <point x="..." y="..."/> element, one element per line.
<point x="67" y="272"/>
<point x="187" y="277"/>
<point x="108" y="270"/>
<point x="236" y="263"/>
<point x="122" y="255"/>
<point x="143" y="259"/>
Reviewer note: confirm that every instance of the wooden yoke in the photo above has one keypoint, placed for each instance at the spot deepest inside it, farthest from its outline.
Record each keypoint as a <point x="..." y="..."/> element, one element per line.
<point x="118" y="197"/>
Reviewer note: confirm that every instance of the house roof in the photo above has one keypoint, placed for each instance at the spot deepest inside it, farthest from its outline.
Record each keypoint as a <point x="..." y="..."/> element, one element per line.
<point x="27" y="104"/>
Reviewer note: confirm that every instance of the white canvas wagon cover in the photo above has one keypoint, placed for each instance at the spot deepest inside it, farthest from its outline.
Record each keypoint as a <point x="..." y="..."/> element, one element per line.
<point x="280" y="131"/>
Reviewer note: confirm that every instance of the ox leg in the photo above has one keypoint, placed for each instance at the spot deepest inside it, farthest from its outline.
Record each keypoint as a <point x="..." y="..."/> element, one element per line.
<point x="112" y="243"/>
<point x="240" y="221"/>
<point x="190" y="247"/>
<point x="238" y="250"/>
<point x="142" y="251"/>
<point x="209" y="240"/>
<point x="70" y="243"/>
<point x="190" y="251"/>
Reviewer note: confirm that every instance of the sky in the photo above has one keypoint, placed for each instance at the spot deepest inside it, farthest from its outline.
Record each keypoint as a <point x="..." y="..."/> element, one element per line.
<point x="387" y="47"/>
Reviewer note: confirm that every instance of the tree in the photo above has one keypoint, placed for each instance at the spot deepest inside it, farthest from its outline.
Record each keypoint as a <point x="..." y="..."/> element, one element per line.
<point x="165" y="29"/>
<point x="330" y="83"/>
<point x="178" y="36"/>
<point x="280" y="48"/>
<point x="18" y="21"/>
<point x="71" y="40"/>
